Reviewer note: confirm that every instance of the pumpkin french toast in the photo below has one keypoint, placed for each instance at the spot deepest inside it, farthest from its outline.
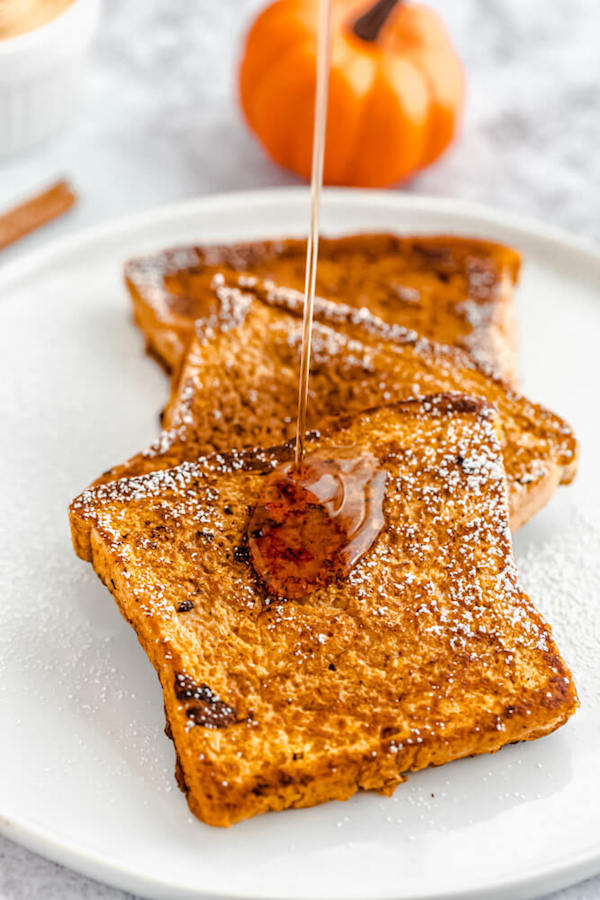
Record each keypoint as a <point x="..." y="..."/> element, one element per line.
<point x="457" y="291"/>
<point x="426" y="652"/>
<point x="238" y="384"/>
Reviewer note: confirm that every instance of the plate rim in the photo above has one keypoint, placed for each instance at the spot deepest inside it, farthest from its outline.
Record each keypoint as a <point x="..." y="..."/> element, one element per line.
<point x="34" y="259"/>
<point x="530" y="883"/>
<point x="533" y="883"/>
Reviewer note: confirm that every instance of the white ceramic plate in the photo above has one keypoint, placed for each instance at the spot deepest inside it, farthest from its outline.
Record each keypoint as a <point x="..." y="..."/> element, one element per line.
<point x="86" y="773"/>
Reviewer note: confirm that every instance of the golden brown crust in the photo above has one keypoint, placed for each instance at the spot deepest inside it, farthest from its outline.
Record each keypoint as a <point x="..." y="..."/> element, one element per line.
<point x="457" y="291"/>
<point x="428" y="651"/>
<point x="238" y="387"/>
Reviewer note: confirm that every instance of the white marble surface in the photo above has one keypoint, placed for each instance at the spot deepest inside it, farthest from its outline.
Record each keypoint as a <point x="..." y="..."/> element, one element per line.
<point x="158" y="123"/>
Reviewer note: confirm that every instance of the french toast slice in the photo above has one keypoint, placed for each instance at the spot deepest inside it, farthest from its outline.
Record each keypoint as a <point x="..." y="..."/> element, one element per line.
<point x="238" y="387"/>
<point x="426" y="652"/>
<point x="454" y="290"/>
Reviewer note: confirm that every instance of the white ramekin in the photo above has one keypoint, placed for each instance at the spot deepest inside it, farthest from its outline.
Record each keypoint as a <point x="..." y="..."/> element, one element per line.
<point x="41" y="73"/>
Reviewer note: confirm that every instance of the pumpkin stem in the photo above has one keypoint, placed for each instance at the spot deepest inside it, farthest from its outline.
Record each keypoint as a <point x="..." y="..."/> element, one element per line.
<point x="368" y="26"/>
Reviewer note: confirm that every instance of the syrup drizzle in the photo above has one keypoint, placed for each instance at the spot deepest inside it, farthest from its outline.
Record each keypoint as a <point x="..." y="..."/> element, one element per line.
<point x="314" y="523"/>
<point x="316" y="183"/>
<point x="318" y="515"/>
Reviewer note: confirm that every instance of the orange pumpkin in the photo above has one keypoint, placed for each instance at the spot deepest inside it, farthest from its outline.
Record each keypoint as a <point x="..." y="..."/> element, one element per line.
<point x="395" y="93"/>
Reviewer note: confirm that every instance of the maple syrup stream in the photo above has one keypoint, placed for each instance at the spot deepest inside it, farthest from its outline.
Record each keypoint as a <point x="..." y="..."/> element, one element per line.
<point x="318" y="515"/>
<point x="316" y="183"/>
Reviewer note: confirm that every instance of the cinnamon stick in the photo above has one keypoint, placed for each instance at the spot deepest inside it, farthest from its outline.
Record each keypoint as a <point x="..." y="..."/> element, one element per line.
<point x="35" y="212"/>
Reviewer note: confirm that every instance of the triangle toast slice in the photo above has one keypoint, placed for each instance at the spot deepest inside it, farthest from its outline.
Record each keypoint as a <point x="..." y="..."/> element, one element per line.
<point x="238" y="387"/>
<point x="426" y="652"/>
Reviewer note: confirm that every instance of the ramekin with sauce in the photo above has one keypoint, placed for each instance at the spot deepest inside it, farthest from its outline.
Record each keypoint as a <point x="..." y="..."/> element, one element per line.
<point x="43" y="50"/>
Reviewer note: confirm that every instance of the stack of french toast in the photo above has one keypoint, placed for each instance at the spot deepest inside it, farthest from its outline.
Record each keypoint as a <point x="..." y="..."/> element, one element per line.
<point x="427" y="650"/>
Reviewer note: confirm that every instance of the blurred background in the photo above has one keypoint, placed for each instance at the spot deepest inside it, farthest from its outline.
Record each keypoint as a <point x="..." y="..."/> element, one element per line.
<point x="159" y="119"/>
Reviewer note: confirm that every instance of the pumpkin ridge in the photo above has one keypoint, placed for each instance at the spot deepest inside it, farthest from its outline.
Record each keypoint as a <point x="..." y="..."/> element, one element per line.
<point x="345" y="176"/>
<point x="433" y="148"/>
<point x="411" y="161"/>
<point x="276" y="74"/>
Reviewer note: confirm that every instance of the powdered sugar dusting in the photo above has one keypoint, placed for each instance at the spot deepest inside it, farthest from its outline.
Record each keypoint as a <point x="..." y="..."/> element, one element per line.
<point x="562" y="574"/>
<point x="439" y="580"/>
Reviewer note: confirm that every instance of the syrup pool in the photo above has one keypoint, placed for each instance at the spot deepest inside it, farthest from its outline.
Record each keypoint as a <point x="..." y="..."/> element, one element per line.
<point x="314" y="521"/>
